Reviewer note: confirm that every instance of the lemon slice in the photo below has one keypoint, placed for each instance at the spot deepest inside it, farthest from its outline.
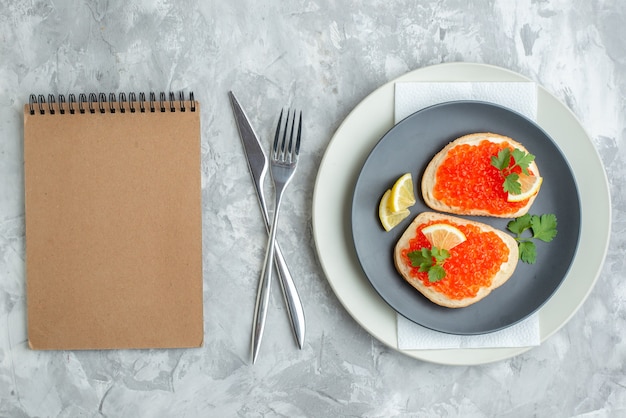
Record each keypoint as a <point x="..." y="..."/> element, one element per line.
<point x="402" y="195"/>
<point x="530" y="187"/>
<point x="388" y="218"/>
<point x="444" y="236"/>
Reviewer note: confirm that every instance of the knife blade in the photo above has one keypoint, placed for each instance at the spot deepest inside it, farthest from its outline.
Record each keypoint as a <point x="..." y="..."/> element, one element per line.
<point x="257" y="165"/>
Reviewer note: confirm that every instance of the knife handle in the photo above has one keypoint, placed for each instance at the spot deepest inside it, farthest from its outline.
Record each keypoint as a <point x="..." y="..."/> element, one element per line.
<point x="292" y="298"/>
<point x="287" y="285"/>
<point x="260" y="308"/>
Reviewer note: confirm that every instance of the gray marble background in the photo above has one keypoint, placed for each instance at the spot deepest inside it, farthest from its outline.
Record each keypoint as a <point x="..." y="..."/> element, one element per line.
<point x="324" y="56"/>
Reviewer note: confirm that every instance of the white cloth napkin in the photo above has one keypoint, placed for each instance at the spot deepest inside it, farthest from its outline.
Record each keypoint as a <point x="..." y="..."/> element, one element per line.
<point x="519" y="96"/>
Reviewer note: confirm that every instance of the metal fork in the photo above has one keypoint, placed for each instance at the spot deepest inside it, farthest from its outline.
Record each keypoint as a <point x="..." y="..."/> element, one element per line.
<point x="283" y="162"/>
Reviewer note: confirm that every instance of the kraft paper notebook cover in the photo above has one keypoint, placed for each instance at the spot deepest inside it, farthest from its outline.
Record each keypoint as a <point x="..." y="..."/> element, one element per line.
<point x="113" y="221"/>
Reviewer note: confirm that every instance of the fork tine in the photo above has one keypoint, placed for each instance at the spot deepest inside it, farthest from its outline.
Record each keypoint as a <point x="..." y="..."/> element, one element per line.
<point x="293" y="123"/>
<point x="277" y="135"/>
<point x="285" y="129"/>
<point x="299" y="134"/>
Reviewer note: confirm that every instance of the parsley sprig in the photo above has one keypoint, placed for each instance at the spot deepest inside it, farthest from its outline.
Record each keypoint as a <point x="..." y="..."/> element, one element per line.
<point x="502" y="162"/>
<point x="540" y="227"/>
<point x="430" y="260"/>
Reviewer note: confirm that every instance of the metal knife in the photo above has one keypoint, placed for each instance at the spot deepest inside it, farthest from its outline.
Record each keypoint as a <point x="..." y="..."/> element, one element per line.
<point x="257" y="164"/>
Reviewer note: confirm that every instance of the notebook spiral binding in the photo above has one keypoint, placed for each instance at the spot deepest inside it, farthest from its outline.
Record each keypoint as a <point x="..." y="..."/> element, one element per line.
<point x="112" y="103"/>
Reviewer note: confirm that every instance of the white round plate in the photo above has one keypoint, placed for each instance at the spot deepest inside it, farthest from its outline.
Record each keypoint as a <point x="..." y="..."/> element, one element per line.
<point x="334" y="187"/>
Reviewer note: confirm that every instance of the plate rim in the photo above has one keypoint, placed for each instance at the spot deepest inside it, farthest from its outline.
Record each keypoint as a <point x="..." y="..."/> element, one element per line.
<point x="377" y="109"/>
<point x="435" y="107"/>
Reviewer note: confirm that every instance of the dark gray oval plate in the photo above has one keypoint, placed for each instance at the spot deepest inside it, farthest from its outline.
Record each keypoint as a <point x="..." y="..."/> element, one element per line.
<point x="408" y="147"/>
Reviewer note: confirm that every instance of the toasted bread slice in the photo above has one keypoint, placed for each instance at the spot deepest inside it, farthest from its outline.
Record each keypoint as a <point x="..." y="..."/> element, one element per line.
<point x="429" y="179"/>
<point x="500" y="277"/>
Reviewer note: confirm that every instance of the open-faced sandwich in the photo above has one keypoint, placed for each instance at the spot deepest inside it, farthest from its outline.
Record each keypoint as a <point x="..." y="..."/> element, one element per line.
<point x="482" y="174"/>
<point x="454" y="262"/>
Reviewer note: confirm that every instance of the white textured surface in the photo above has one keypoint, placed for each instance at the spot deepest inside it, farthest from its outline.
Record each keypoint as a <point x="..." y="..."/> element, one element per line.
<point x="520" y="97"/>
<point x="325" y="57"/>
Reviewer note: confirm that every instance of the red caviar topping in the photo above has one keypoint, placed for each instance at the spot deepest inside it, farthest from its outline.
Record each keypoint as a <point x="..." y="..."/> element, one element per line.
<point x="471" y="264"/>
<point x="467" y="180"/>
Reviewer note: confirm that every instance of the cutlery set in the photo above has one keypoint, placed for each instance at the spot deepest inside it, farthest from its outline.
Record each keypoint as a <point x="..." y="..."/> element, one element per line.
<point x="284" y="157"/>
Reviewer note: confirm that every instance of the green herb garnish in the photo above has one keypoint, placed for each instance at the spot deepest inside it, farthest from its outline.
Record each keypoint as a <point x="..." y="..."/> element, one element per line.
<point x="502" y="162"/>
<point x="540" y="227"/>
<point x="430" y="260"/>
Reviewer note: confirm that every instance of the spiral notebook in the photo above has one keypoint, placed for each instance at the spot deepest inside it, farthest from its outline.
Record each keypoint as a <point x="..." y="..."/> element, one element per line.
<point x="113" y="221"/>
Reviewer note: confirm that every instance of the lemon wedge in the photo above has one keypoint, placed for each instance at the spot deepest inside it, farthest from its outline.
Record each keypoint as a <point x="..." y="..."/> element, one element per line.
<point x="402" y="196"/>
<point x="530" y="187"/>
<point x="388" y="218"/>
<point x="444" y="236"/>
